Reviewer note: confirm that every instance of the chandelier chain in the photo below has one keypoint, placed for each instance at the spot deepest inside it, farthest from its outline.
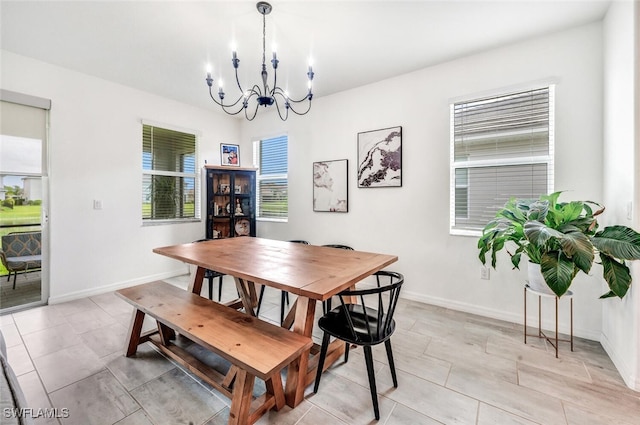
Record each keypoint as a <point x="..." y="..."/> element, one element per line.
<point x="264" y="36"/>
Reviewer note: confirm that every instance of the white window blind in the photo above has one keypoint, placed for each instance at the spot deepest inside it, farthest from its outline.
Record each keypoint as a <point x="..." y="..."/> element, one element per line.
<point x="501" y="147"/>
<point x="271" y="158"/>
<point x="170" y="183"/>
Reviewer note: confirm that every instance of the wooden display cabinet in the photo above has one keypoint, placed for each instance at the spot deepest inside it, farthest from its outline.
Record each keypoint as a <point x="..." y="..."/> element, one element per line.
<point x="231" y="202"/>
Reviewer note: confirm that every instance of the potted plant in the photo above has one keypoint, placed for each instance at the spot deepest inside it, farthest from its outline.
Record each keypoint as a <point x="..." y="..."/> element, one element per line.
<point x="563" y="239"/>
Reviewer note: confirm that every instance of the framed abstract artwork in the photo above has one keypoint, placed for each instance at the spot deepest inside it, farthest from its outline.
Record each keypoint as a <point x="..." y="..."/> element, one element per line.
<point x="380" y="158"/>
<point x="330" y="186"/>
<point x="229" y="155"/>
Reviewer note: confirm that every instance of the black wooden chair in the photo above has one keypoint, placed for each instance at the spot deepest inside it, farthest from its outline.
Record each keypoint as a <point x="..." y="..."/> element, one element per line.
<point x="368" y="323"/>
<point x="212" y="274"/>
<point x="284" y="295"/>
<point x="335" y="245"/>
<point x="326" y="305"/>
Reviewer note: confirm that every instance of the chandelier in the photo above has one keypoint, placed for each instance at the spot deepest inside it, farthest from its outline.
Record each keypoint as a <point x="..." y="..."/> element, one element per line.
<point x="250" y="100"/>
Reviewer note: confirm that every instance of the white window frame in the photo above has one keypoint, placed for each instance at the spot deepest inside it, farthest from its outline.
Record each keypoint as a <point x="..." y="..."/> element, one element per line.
<point x="257" y="144"/>
<point x="468" y="164"/>
<point x="195" y="175"/>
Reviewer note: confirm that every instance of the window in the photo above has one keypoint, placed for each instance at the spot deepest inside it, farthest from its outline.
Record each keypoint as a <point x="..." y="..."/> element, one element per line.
<point x="271" y="158"/>
<point x="170" y="183"/>
<point x="501" y="147"/>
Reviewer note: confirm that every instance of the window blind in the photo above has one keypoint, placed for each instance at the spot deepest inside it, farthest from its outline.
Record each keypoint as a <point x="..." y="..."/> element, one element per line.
<point x="170" y="184"/>
<point x="273" y="196"/>
<point x="502" y="147"/>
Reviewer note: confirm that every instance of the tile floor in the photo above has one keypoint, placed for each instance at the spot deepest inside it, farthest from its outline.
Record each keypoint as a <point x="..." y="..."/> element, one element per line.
<point x="453" y="368"/>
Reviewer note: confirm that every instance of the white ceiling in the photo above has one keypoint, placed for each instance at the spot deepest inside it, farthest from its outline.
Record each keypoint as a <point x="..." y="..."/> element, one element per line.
<point x="163" y="47"/>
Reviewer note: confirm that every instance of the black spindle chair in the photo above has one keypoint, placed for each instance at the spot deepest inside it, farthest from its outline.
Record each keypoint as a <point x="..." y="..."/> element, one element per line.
<point x="284" y="295"/>
<point x="326" y="305"/>
<point x="368" y="323"/>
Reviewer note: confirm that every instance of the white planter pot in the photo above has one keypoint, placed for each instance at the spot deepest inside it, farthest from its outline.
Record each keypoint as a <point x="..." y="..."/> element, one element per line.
<point x="536" y="281"/>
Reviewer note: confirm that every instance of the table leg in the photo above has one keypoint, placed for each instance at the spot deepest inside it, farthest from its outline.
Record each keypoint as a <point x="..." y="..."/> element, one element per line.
<point x="247" y="291"/>
<point x="297" y="370"/>
<point x="291" y="315"/>
<point x="195" y="285"/>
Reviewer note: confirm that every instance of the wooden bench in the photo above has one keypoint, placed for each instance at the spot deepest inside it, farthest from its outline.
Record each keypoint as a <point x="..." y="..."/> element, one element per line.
<point x="254" y="348"/>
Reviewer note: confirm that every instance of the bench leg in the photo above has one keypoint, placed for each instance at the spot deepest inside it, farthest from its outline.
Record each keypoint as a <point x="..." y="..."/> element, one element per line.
<point x="230" y="377"/>
<point x="135" y="329"/>
<point x="166" y="333"/>
<point x="241" y="401"/>
<point x="274" y="387"/>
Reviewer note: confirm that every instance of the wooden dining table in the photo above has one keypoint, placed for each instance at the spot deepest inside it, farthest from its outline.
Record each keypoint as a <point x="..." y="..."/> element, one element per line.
<point x="313" y="273"/>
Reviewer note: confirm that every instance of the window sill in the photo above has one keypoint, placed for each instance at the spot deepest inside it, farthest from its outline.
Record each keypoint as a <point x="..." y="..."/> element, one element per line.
<point x="273" y="220"/>
<point x="149" y="223"/>
<point x="461" y="232"/>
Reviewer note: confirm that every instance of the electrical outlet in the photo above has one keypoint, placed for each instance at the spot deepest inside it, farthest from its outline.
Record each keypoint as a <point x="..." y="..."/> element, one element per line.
<point x="97" y="204"/>
<point x="484" y="273"/>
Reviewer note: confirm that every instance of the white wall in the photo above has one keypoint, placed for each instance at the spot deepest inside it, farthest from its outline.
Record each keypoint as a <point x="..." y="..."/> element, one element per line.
<point x="95" y="153"/>
<point x="413" y="221"/>
<point x="621" y="319"/>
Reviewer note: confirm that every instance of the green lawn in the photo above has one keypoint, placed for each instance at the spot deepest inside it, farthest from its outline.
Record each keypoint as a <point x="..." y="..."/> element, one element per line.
<point x="189" y="210"/>
<point x="276" y="208"/>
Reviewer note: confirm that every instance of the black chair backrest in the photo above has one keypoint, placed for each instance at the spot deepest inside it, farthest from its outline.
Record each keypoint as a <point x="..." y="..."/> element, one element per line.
<point x="372" y="318"/>
<point x="334" y="245"/>
<point x="300" y="241"/>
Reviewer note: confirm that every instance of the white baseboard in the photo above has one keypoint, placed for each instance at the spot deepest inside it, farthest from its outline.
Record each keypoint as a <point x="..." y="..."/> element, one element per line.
<point x="626" y="371"/>
<point x="114" y="286"/>
<point x="497" y="314"/>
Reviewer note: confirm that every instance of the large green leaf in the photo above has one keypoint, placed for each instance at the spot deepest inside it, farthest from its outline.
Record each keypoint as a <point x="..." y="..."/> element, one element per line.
<point x="570" y="211"/>
<point x="577" y="247"/>
<point x="618" y="242"/>
<point x="609" y="294"/>
<point x="539" y="233"/>
<point x="558" y="271"/>
<point x="538" y="211"/>
<point x="552" y="198"/>
<point x="616" y="274"/>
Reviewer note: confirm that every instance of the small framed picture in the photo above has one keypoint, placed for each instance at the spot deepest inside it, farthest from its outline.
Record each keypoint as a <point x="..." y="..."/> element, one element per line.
<point x="238" y="189"/>
<point x="330" y="186"/>
<point x="380" y="158"/>
<point x="229" y="155"/>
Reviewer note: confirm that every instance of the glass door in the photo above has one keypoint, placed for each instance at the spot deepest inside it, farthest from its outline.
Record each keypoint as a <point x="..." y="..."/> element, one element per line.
<point x="23" y="203"/>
